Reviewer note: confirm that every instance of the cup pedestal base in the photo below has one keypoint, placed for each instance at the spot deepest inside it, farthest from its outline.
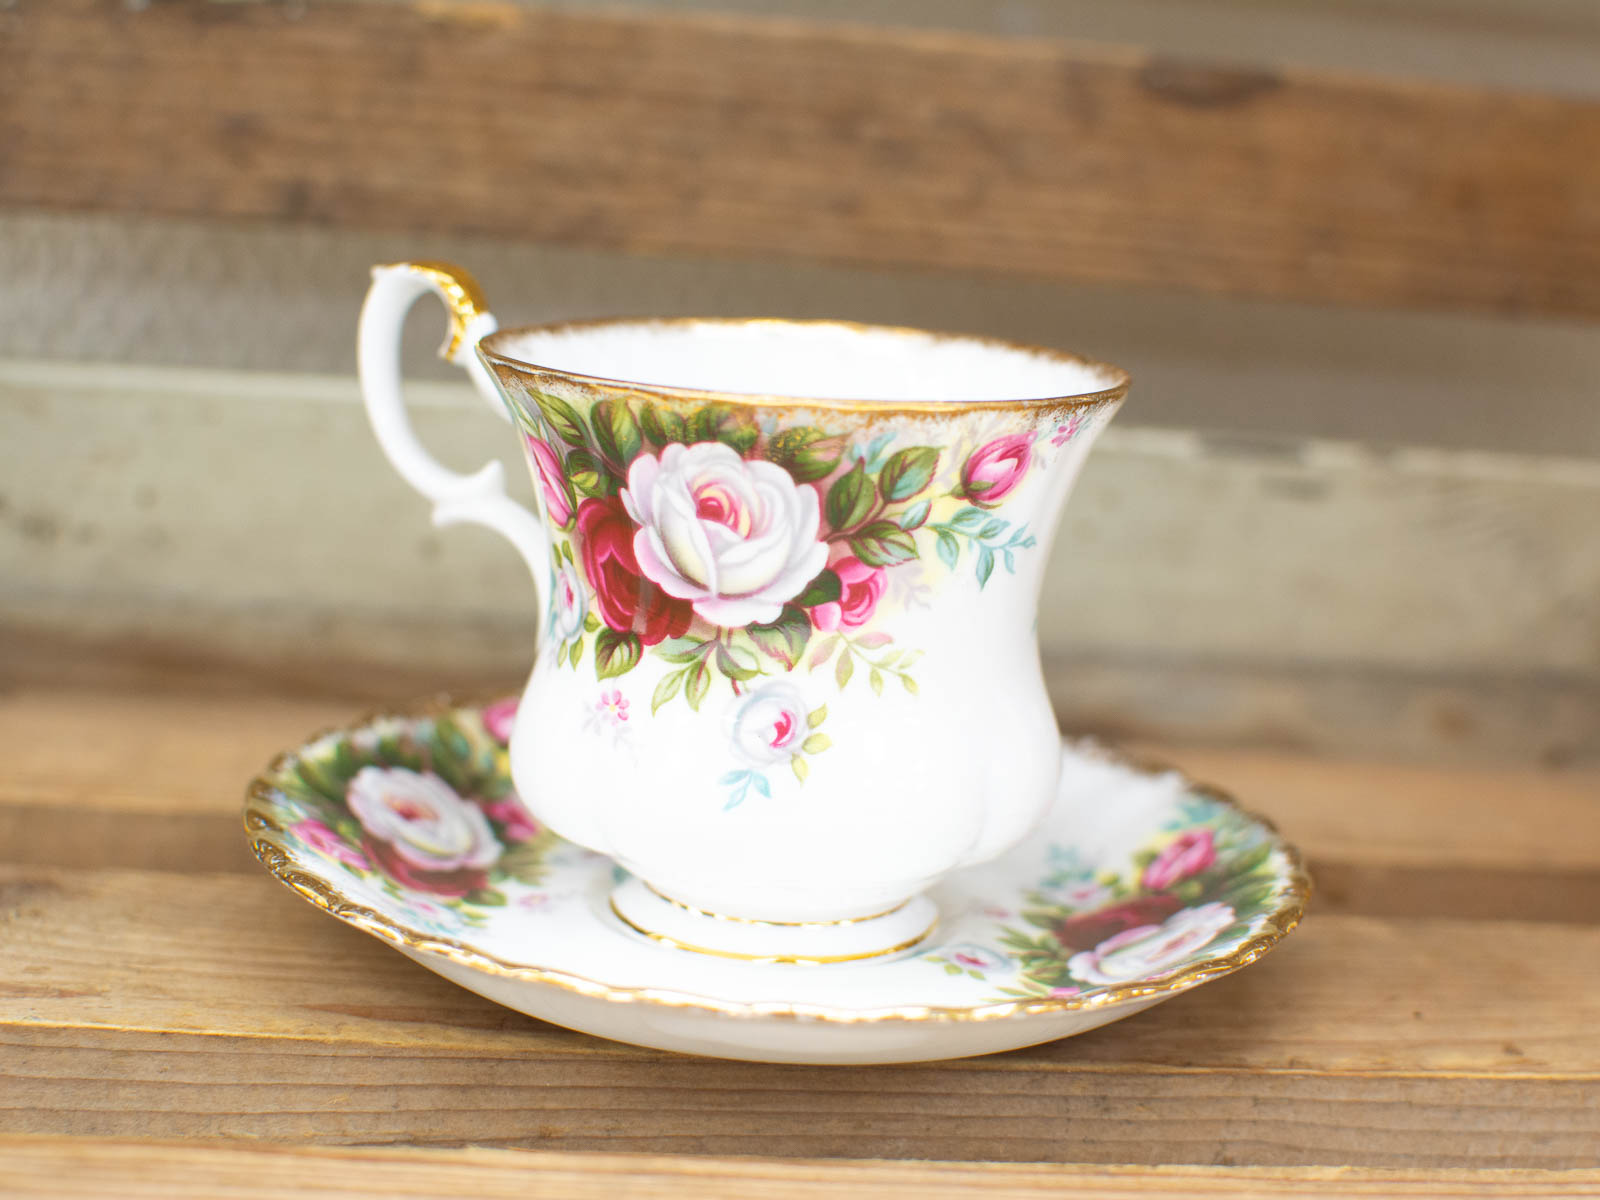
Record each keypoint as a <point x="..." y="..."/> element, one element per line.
<point x="672" y="923"/>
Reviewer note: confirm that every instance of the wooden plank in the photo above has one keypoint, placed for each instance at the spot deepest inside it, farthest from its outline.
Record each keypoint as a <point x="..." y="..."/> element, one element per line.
<point x="1192" y="592"/>
<point x="735" y="136"/>
<point x="163" y="775"/>
<point x="62" y="1167"/>
<point x="228" y="1009"/>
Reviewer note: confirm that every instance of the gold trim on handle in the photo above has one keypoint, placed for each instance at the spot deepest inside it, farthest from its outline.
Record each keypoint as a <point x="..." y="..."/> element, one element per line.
<point x="461" y="293"/>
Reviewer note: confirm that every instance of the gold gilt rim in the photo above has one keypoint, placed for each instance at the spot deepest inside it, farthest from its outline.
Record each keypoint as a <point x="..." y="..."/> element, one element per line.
<point x="265" y="835"/>
<point x="1112" y="392"/>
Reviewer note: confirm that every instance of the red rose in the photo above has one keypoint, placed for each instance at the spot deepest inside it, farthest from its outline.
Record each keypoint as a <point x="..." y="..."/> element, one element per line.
<point x="626" y="600"/>
<point x="1087" y="930"/>
<point x="458" y="881"/>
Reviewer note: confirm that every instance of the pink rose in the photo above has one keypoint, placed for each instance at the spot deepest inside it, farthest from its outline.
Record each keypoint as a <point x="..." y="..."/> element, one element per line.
<point x="993" y="472"/>
<point x="500" y="718"/>
<point x="1186" y="855"/>
<point x="326" y="842"/>
<point x="547" y="469"/>
<point x="736" y="539"/>
<point x="860" y="589"/>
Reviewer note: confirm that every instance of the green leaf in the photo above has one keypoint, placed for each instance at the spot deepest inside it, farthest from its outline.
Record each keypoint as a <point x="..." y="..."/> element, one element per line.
<point x="909" y="684"/>
<point x="562" y="418"/>
<point x="784" y="639"/>
<point x="800" y="767"/>
<point x="816" y="717"/>
<point x="948" y="548"/>
<point x="488" y="897"/>
<point x="849" y="499"/>
<point x="821" y="590"/>
<point x="667" y="689"/>
<point x="915" y="516"/>
<point x="733" y="662"/>
<point x="615" y="653"/>
<point x="697" y="685"/>
<point x="719" y="423"/>
<point x="590" y="622"/>
<point x="683" y="650"/>
<point x="523" y="862"/>
<point x="816" y="743"/>
<point x="663" y="426"/>
<point x="586" y="475"/>
<point x="845" y="669"/>
<point x="883" y="544"/>
<point x="967" y="519"/>
<point x="616" y="432"/>
<point x="806" y="453"/>
<point x="575" y="651"/>
<point x="985" y="566"/>
<point x="992" y="529"/>
<point x="907" y="472"/>
<point x="824" y="648"/>
<point x="876" y="680"/>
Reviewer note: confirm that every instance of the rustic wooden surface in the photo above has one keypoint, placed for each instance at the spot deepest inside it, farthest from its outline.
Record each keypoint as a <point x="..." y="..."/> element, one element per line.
<point x="158" y="985"/>
<point x="740" y="136"/>
<point x="59" y="1167"/>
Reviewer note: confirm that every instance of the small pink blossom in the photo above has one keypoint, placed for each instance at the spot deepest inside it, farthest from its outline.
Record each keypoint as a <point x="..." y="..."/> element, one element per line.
<point x="325" y="841"/>
<point x="1066" y="431"/>
<point x="612" y="706"/>
<point x="500" y="718"/>
<point x="1064" y="992"/>
<point x="1186" y="855"/>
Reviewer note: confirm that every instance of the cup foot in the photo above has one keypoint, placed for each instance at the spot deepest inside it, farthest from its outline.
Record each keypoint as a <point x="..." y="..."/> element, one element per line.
<point x="675" y="924"/>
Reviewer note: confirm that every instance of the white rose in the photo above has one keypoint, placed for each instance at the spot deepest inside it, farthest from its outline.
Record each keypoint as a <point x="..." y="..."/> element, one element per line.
<point x="569" y="604"/>
<point x="422" y="818"/>
<point x="1152" y="950"/>
<point x="769" y="724"/>
<point x="735" y="538"/>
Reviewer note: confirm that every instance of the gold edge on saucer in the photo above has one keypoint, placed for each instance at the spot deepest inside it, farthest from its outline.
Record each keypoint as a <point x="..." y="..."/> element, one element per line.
<point x="265" y="843"/>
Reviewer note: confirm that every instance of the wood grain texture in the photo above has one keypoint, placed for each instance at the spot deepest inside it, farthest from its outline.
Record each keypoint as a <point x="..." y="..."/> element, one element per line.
<point x="160" y="1005"/>
<point x="737" y="136"/>
<point x="62" y="1167"/>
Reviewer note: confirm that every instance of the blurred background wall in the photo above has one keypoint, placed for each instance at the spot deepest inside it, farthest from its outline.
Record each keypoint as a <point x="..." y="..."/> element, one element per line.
<point x="1328" y="522"/>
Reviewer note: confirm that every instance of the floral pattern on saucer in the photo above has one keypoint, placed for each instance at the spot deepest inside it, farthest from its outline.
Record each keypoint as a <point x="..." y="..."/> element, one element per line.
<point x="1201" y="886"/>
<point x="421" y="810"/>
<point x="1138" y="885"/>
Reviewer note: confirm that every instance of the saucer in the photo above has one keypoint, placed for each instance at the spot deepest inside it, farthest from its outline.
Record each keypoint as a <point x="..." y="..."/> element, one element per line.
<point x="1139" y="884"/>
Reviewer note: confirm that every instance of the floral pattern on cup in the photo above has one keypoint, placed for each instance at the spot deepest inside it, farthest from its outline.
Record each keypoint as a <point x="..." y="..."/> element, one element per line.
<point x="733" y="550"/>
<point x="423" y="811"/>
<point x="767" y="727"/>
<point x="1198" y="889"/>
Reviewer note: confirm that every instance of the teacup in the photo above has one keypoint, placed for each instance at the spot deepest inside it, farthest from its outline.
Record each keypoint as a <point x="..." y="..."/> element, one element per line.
<point x="788" y="574"/>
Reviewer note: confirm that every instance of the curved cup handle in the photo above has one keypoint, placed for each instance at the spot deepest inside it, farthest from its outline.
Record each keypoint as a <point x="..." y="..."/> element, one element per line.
<point x="479" y="497"/>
